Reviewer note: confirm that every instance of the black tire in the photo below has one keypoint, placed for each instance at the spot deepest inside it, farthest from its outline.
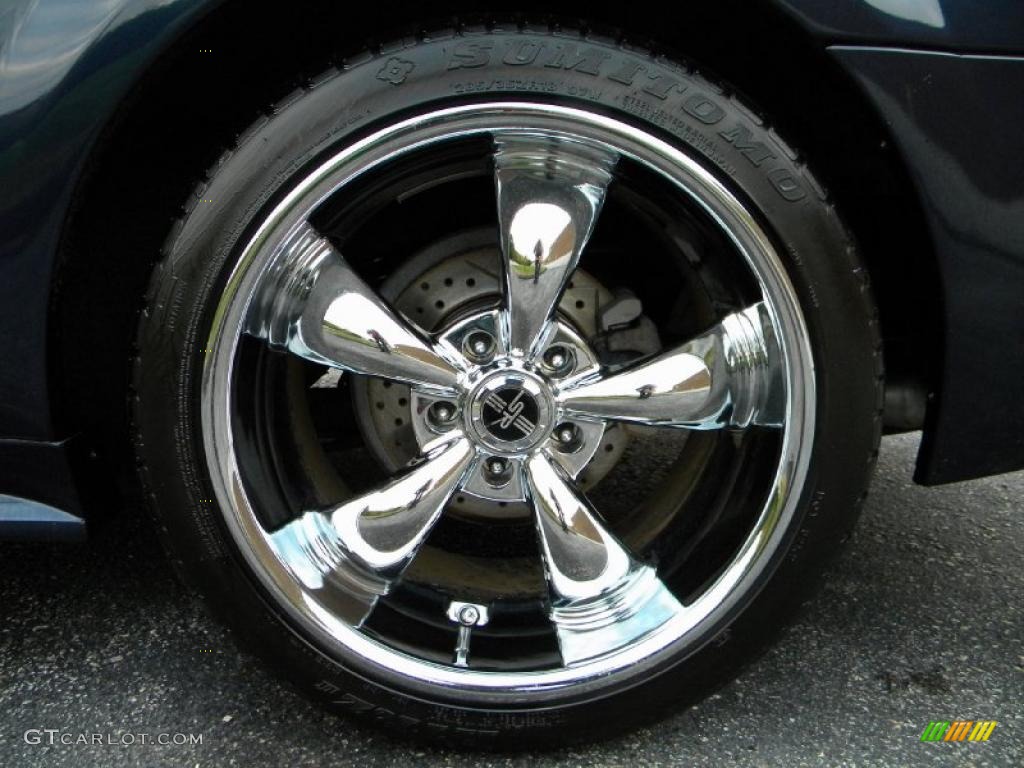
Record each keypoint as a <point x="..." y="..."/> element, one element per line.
<point x="461" y="66"/>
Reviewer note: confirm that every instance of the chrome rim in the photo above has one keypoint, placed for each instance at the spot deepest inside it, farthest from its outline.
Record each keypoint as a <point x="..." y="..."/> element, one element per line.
<point x="509" y="402"/>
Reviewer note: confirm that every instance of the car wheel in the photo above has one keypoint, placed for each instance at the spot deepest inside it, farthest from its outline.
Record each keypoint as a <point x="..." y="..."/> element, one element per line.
<point x="509" y="387"/>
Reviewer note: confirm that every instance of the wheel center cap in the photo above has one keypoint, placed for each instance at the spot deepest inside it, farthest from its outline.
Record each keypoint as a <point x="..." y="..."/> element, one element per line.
<point x="510" y="412"/>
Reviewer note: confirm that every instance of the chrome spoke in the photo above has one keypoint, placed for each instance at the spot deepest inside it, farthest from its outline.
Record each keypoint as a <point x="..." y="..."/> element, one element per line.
<point x="317" y="307"/>
<point x="357" y="550"/>
<point x="549" y="195"/>
<point x="601" y="598"/>
<point x="730" y="376"/>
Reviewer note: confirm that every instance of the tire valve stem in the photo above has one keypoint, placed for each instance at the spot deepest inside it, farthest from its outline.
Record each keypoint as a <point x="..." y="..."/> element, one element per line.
<point x="466" y="616"/>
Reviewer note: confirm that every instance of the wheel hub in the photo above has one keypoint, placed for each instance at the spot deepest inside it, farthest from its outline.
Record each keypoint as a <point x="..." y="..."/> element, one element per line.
<point x="439" y="289"/>
<point x="508" y="410"/>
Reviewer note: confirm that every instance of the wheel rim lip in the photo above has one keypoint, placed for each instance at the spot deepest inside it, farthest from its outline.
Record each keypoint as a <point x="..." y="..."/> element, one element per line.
<point x="692" y="627"/>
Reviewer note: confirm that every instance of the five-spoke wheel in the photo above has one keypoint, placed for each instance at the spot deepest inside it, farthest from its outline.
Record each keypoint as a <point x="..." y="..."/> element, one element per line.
<point x="510" y="400"/>
<point x="490" y="401"/>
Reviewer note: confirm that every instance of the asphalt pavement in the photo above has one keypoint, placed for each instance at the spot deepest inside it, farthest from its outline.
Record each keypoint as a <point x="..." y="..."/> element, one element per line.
<point x="922" y="619"/>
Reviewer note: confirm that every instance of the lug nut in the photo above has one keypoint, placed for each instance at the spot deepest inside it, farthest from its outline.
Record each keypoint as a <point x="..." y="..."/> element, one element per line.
<point x="559" y="360"/>
<point x="497" y="472"/>
<point x="496" y="467"/>
<point x="569" y="437"/>
<point x="441" y="415"/>
<point x="478" y="346"/>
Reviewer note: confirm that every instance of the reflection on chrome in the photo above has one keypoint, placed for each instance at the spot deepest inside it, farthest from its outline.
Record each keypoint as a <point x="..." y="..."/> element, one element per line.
<point x="364" y="544"/>
<point x="601" y="599"/>
<point x="549" y="196"/>
<point x="324" y="312"/>
<point x="729" y="376"/>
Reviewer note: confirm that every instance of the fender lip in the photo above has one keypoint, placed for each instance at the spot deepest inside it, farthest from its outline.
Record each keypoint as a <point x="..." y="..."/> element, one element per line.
<point x="26" y="520"/>
<point x="39" y="497"/>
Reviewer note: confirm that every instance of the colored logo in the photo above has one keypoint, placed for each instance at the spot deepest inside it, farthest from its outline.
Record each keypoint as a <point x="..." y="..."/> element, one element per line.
<point x="958" y="730"/>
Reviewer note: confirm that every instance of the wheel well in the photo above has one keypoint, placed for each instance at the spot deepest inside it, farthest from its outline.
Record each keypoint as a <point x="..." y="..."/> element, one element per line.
<point x="191" y="105"/>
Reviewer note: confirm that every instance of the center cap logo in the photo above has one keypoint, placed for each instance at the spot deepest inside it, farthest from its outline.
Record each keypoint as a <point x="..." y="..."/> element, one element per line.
<point x="510" y="413"/>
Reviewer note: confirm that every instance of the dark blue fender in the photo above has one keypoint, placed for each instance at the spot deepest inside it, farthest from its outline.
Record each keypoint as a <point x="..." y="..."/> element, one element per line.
<point x="955" y="26"/>
<point x="65" y="65"/>
<point x="959" y="123"/>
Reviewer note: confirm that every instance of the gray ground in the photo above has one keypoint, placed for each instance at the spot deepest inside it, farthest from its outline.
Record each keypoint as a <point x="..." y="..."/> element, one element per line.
<point x="922" y="620"/>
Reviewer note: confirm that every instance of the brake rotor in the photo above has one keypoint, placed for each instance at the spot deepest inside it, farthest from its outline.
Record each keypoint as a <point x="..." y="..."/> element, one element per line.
<point x="434" y="286"/>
